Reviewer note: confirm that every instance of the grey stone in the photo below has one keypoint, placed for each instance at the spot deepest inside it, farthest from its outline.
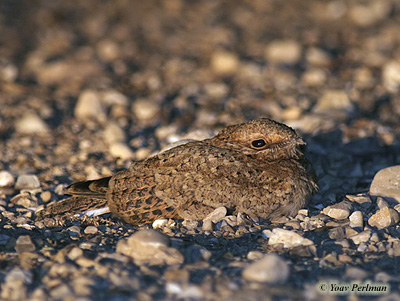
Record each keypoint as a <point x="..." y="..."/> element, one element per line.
<point x="270" y="269"/>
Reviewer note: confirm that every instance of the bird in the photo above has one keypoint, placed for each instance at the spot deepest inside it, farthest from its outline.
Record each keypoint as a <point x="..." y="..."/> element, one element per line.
<point x="256" y="168"/>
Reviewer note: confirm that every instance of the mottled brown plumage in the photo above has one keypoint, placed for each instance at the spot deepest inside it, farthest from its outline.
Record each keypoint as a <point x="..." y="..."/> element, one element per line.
<point x="255" y="168"/>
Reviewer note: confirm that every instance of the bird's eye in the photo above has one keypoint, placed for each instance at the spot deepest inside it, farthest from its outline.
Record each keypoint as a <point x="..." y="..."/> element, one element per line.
<point x="258" y="143"/>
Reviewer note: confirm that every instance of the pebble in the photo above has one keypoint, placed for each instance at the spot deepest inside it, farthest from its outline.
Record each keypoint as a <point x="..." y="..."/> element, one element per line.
<point x="391" y="76"/>
<point x="6" y="179"/>
<point x="355" y="273"/>
<point x="31" y="124"/>
<point x="314" y="77"/>
<point x="27" y="182"/>
<point x="160" y="223"/>
<point x="289" y="239"/>
<point x="145" y="109"/>
<point x="333" y="100"/>
<point x="213" y="218"/>
<point x="25" y="200"/>
<point x="369" y="13"/>
<point x="338" y="211"/>
<point x="24" y="244"/>
<point x="317" y="57"/>
<point x="361" y="237"/>
<point x="113" y="134"/>
<point x="91" y="230"/>
<point x="45" y="196"/>
<point x="75" y="253"/>
<point x="283" y="52"/>
<point x="356" y="219"/>
<point x="384" y="218"/>
<point x="150" y="246"/>
<point x="224" y="62"/>
<point x="89" y="106"/>
<point x="386" y="184"/>
<point x="271" y="269"/>
<point x="121" y="150"/>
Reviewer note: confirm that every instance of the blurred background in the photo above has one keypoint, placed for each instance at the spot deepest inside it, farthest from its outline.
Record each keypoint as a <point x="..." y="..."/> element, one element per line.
<point x="83" y="83"/>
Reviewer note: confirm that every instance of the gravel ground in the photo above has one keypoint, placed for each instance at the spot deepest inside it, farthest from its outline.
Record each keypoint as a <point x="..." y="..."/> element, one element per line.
<point x="89" y="86"/>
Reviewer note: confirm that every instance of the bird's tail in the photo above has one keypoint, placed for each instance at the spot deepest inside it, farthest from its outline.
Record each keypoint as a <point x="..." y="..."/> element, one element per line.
<point x="88" y="197"/>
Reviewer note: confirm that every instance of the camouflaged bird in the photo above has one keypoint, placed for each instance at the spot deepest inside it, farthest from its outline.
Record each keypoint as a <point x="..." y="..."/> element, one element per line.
<point x="255" y="168"/>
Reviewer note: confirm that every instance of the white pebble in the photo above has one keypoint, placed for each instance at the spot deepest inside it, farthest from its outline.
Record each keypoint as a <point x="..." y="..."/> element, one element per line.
<point x="356" y="219"/>
<point x="289" y="239"/>
<point x="121" y="150"/>
<point x="270" y="269"/>
<point x="160" y="223"/>
<point x="89" y="106"/>
<point x="31" y="124"/>
<point x="225" y="63"/>
<point x="386" y="183"/>
<point x="6" y="179"/>
<point x="27" y="182"/>
<point x="283" y="52"/>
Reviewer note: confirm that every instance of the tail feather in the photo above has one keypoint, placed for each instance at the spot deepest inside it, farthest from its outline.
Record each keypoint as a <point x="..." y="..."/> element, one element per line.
<point x="87" y="197"/>
<point x="95" y="188"/>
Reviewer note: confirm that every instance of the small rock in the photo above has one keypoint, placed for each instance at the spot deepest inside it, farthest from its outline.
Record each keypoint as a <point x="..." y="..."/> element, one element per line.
<point x="91" y="230"/>
<point x="386" y="183"/>
<point x="369" y="13"/>
<point x="338" y="211"/>
<point x="27" y="182"/>
<point x="113" y="134"/>
<point x="25" y="200"/>
<point x="361" y="237"/>
<point x="381" y="202"/>
<point x="45" y="196"/>
<point x="24" y="244"/>
<point x="224" y="63"/>
<point x="356" y="219"/>
<point x="150" y="246"/>
<point x="6" y="179"/>
<point x="74" y="230"/>
<point x="355" y="273"/>
<point x="213" y="218"/>
<point x="217" y="215"/>
<point x="121" y="150"/>
<point x="270" y="269"/>
<point x="283" y="52"/>
<point x="89" y="106"/>
<point x="145" y="109"/>
<point x="391" y="76"/>
<point x="383" y="218"/>
<point x="31" y="124"/>
<point x="75" y="253"/>
<point x="317" y="57"/>
<point x="333" y="100"/>
<point x="289" y="239"/>
<point x="255" y="255"/>
<point x="160" y="223"/>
